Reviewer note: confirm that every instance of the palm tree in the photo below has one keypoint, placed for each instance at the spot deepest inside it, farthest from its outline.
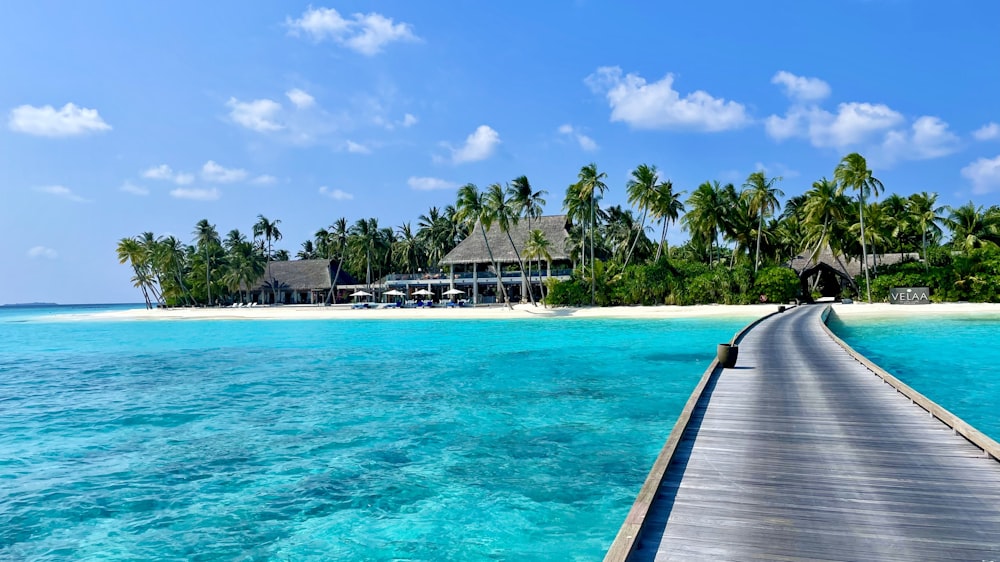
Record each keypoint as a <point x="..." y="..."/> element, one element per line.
<point x="406" y="249"/>
<point x="643" y="191"/>
<point x="307" y="252"/>
<point x="499" y="205"/>
<point x="470" y="211"/>
<point x="588" y="191"/>
<point x="973" y="227"/>
<point x="363" y="238"/>
<point x="338" y="233"/>
<point x="763" y="198"/>
<point x="527" y="199"/>
<point x="921" y="207"/>
<point x="170" y="255"/>
<point x="205" y="237"/>
<point x="269" y="230"/>
<point x="709" y="206"/>
<point x="129" y="250"/>
<point x="537" y="247"/>
<point x="852" y="173"/>
<point x="667" y="206"/>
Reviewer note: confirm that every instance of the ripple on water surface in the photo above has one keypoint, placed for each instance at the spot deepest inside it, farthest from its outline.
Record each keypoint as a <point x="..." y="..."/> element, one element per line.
<point x="334" y="440"/>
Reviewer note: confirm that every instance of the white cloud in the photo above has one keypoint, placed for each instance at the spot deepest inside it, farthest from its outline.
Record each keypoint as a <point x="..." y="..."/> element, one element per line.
<point x="301" y="99"/>
<point x="479" y="145"/>
<point x="337" y="194"/>
<point x="585" y="142"/>
<point x="409" y="120"/>
<point x="212" y="172"/>
<point x="927" y="138"/>
<point x="47" y="121"/>
<point x="989" y="131"/>
<point x="61" y="191"/>
<point x="166" y="173"/>
<point x="853" y="123"/>
<point x="984" y="174"/>
<point x="659" y="106"/>
<point x="357" y="148"/>
<point x="365" y="33"/>
<point x="800" y="88"/>
<point x="196" y="194"/>
<point x="429" y="184"/>
<point x="129" y="187"/>
<point x="257" y="115"/>
<point x="264" y="180"/>
<point x="42" y="252"/>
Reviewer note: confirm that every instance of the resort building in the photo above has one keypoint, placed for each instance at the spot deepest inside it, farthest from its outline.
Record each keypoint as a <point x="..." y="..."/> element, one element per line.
<point x="471" y="269"/>
<point x="831" y="274"/>
<point x="300" y="282"/>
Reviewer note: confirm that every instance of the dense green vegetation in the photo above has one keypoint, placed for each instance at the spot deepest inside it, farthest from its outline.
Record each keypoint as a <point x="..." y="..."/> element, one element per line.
<point x="740" y="242"/>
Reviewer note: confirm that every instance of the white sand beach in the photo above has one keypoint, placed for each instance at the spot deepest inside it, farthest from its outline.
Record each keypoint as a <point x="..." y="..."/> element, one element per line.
<point x="345" y="312"/>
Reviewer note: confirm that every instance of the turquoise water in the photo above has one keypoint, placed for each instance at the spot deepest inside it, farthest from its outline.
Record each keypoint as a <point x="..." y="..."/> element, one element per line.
<point x="333" y="440"/>
<point x="953" y="360"/>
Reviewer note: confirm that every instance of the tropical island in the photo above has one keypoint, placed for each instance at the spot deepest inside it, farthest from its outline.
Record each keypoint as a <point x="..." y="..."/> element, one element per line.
<point x="843" y="237"/>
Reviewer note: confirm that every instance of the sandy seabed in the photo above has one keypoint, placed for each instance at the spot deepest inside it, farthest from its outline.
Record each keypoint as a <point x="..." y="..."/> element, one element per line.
<point x="345" y="312"/>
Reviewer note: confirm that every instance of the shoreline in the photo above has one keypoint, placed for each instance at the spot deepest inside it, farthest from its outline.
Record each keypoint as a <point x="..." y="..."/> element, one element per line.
<point x="521" y="311"/>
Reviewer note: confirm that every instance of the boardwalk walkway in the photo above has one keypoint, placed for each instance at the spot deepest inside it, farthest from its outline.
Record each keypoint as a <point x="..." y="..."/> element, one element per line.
<point x="801" y="453"/>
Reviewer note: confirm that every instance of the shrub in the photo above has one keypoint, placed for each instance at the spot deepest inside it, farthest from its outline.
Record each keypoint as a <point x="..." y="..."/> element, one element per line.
<point x="777" y="284"/>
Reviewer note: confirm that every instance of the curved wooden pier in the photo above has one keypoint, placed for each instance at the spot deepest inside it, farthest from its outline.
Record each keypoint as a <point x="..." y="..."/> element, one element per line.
<point x="802" y="453"/>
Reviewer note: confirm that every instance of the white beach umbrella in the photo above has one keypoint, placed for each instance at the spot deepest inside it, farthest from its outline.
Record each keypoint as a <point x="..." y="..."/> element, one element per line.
<point x="361" y="294"/>
<point x="454" y="292"/>
<point x="394" y="293"/>
<point x="422" y="292"/>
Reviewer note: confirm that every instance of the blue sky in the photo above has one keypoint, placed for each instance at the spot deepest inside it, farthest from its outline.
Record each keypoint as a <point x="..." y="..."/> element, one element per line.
<point x="123" y="117"/>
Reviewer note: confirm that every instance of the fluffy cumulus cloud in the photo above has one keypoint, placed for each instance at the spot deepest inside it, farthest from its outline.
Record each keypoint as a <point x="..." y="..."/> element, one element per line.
<point x="801" y="88"/>
<point x="214" y="173"/>
<point x="409" y="120"/>
<point x="479" y="145"/>
<point x="585" y="142"/>
<point x="336" y="194"/>
<point x="852" y="123"/>
<point x="47" y="121"/>
<point x="984" y="174"/>
<point x="129" y="187"/>
<point x="301" y="99"/>
<point x="42" y="252"/>
<point x="927" y="138"/>
<point x="61" y="191"/>
<point x="989" y="131"/>
<point x="166" y="173"/>
<point x="367" y="34"/>
<point x="257" y="115"/>
<point x="429" y="184"/>
<point x="196" y="194"/>
<point x="657" y="105"/>
<point x="264" y="180"/>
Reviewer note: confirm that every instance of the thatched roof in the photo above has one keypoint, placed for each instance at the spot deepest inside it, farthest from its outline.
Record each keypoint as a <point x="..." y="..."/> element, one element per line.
<point x="303" y="275"/>
<point x="473" y="250"/>
<point x="849" y="267"/>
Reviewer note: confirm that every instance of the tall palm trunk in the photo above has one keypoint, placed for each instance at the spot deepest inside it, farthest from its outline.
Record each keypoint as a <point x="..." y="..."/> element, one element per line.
<point x="496" y="268"/>
<point x="760" y="227"/>
<point x="642" y="227"/>
<point x="663" y="239"/>
<point x="208" y="282"/>
<point x="521" y="264"/>
<point x="864" y="247"/>
<point x="593" y="271"/>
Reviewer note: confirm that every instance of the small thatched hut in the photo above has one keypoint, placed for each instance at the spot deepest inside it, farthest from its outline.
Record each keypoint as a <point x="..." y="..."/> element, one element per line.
<point x="831" y="273"/>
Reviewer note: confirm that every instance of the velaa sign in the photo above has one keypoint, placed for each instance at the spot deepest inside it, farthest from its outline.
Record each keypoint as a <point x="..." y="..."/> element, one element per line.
<point x="909" y="295"/>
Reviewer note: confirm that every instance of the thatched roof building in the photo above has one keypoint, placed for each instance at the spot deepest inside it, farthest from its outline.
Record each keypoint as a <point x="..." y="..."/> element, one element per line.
<point x="844" y="265"/>
<point x="472" y="250"/>
<point x="299" y="281"/>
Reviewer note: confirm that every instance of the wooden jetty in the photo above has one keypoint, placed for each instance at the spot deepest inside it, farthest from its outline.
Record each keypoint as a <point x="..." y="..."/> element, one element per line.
<point x="807" y="451"/>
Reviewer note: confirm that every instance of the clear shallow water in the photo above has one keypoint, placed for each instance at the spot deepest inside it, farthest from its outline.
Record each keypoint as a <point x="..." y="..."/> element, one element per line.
<point x="953" y="360"/>
<point x="324" y="440"/>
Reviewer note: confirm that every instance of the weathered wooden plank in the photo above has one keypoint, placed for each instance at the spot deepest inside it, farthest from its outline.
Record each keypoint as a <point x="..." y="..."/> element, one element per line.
<point x="800" y="453"/>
